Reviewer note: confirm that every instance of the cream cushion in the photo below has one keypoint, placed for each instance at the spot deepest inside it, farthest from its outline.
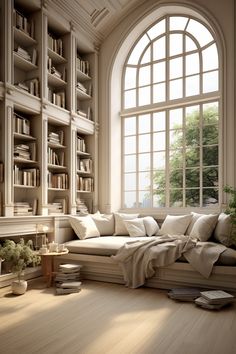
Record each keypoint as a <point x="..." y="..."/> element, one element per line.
<point x="223" y="229"/>
<point x="105" y="223"/>
<point x="175" y="224"/>
<point x="151" y="226"/>
<point x="195" y="216"/>
<point x="84" y="226"/>
<point x="204" y="227"/>
<point x="120" y="228"/>
<point x="135" y="227"/>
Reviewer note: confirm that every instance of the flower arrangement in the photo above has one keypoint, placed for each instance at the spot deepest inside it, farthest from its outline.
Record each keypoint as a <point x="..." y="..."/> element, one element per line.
<point x="20" y="255"/>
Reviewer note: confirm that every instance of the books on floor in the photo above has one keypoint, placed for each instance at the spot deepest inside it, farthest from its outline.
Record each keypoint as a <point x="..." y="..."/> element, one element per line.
<point x="68" y="279"/>
<point x="214" y="299"/>
<point x="184" y="294"/>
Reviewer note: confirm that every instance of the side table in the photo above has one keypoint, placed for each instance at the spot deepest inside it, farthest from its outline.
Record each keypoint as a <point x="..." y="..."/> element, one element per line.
<point x="47" y="264"/>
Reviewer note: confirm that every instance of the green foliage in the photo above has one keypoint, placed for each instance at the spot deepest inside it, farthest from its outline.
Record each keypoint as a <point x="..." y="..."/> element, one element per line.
<point x="20" y="255"/>
<point x="231" y="209"/>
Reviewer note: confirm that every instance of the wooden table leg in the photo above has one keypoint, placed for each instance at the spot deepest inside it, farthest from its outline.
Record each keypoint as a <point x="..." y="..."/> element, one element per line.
<point x="47" y="268"/>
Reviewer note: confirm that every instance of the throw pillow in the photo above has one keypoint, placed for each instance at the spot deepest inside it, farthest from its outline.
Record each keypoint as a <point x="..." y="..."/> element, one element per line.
<point x="175" y="224"/>
<point x="223" y="229"/>
<point x="151" y="225"/>
<point x="120" y="228"/>
<point x="135" y="227"/>
<point x="84" y="226"/>
<point x="105" y="223"/>
<point x="204" y="227"/>
<point x="195" y="216"/>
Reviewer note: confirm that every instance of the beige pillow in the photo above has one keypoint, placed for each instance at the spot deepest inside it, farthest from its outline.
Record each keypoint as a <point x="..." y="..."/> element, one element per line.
<point x="84" y="226"/>
<point x="175" y="224"/>
<point x="204" y="227"/>
<point x="135" y="227"/>
<point x="223" y="229"/>
<point x="105" y="223"/>
<point x="151" y="225"/>
<point x="120" y="228"/>
<point x="195" y="216"/>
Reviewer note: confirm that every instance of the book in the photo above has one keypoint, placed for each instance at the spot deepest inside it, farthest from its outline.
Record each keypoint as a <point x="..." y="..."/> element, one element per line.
<point x="71" y="285"/>
<point x="202" y="302"/>
<point x="70" y="268"/>
<point x="184" y="294"/>
<point x="217" y="296"/>
<point x="61" y="291"/>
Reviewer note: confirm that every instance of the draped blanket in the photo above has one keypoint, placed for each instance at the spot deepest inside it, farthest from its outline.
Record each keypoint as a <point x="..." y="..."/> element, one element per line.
<point x="139" y="259"/>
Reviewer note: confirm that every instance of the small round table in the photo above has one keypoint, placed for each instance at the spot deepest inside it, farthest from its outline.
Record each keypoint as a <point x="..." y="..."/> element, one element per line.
<point x="47" y="264"/>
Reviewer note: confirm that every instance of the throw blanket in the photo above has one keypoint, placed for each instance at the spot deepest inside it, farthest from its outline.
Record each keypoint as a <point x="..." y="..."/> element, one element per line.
<point x="139" y="259"/>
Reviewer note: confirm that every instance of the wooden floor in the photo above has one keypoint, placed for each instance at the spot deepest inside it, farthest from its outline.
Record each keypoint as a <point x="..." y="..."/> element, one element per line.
<point x="111" y="319"/>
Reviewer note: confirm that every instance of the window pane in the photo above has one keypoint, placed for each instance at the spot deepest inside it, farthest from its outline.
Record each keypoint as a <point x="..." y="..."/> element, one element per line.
<point x="176" y="198"/>
<point x="130" y="145"/>
<point x="176" y="118"/>
<point x="144" y="162"/>
<point x="159" y="180"/>
<point x="176" y="139"/>
<point x="159" y="162"/>
<point x="192" y="133"/>
<point x="192" y="64"/>
<point x="189" y="44"/>
<point x="178" y="22"/>
<point x="144" y="200"/>
<point x="159" y="121"/>
<point x="159" y="48"/>
<point x="138" y="49"/>
<point x="175" y="68"/>
<point x="130" y="126"/>
<point x="144" y="143"/>
<point x="144" y="180"/>
<point x="130" y="78"/>
<point x="210" y="135"/>
<point x="159" y="199"/>
<point x="210" y="155"/>
<point x="210" y="177"/>
<point x="157" y="29"/>
<point x="176" y="158"/>
<point x="144" y="95"/>
<point x="146" y="56"/>
<point x="130" y="181"/>
<point x="159" y="141"/>
<point x="192" y="197"/>
<point x="144" y="75"/>
<point x="159" y="72"/>
<point x="210" y="197"/>
<point x="192" y="85"/>
<point x="159" y="93"/>
<point x="130" y="199"/>
<point x="176" y="89"/>
<point x="210" y="58"/>
<point x="210" y="113"/>
<point x="192" y="157"/>
<point x="200" y="32"/>
<point x="210" y="82"/>
<point x="176" y="179"/>
<point x="130" y="98"/>
<point x="175" y="44"/>
<point x="192" y="178"/>
<point x="144" y="123"/>
<point x="130" y="163"/>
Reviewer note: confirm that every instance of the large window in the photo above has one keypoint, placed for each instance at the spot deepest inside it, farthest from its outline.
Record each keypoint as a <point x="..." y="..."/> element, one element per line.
<point x="170" y="117"/>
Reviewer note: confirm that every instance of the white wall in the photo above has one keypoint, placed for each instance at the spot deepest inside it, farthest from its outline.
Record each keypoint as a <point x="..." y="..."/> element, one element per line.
<point x="221" y="15"/>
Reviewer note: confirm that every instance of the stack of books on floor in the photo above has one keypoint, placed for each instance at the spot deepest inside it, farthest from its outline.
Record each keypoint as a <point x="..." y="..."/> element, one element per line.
<point x="184" y="294"/>
<point x="68" y="279"/>
<point x="214" y="299"/>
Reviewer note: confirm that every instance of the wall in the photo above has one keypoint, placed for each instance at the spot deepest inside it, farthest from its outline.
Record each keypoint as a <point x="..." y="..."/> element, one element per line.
<point x="221" y="14"/>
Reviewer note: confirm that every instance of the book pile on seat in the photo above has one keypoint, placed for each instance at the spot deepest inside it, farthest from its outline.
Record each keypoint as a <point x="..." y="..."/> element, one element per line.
<point x="214" y="299"/>
<point x="68" y="279"/>
<point x="184" y="294"/>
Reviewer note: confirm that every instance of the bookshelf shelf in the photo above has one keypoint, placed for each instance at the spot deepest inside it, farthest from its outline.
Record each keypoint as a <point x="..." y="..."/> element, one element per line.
<point x="21" y="160"/>
<point x="24" y="137"/>
<point x="24" y="187"/>
<point x="56" y="146"/>
<point x="57" y="58"/>
<point x="56" y="167"/>
<point x="23" y="64"/>
<point x="84" y="192"/>
<point x="57" y="189"/>
<point x="55" y="81"/>
<point x="82" y="153"/>
<point x="82" y="95"/>
<point x="82" y="76"/>
<point x="23" y="38"/>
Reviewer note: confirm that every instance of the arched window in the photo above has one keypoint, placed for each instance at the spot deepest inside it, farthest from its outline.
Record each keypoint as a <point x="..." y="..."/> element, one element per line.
<point x="170" y="117"/>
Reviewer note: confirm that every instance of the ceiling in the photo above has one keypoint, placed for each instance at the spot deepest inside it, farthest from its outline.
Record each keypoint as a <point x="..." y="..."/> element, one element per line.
<point x="98" y="17"/>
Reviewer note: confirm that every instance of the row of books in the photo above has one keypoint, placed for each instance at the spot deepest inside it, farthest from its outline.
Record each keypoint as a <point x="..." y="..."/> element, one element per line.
<point x="85" y="114"/>
<point x="84" y="184"/>
<point x="55" y="44"/>
<point x="85" y="165"/>
<point x="81" y="145"/>
<point x="58" y="180"/>
<point x="56" y="137"/>
<point x="23" y="53"/>
<point x="67" y="279"/>
<point x="57" y="98"/>
<point x="31" y="86"/>
<point x="25" y="151"/>
<point x="58" y="206"/>
<point x="26" y="176"/>
<point x="25" y="208"/>
<point x="83" y="65"/>
<point x="21" y="22"/>
<point x="55" y="157"/>
<point x="21" y="125"/>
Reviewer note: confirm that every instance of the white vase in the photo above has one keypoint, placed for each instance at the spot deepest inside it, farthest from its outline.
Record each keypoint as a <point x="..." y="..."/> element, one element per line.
<point x="19" y="287"/>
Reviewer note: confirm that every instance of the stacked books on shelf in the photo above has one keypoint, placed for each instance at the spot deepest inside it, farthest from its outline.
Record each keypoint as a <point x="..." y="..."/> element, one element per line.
<point x="58" y="98"/>
<point x="58" y="206"/>
<point x="82" y="88"/>
<point x="31" y="86"/>
<point x="25" y="151"/>
<point x="84" y="184"/>
<point x="21" y="124"/>
<point x="55" y="158"/>
<point x="56" y="137"/>
<point x="58" y="180"/>
<point x="85" y="165"/>
<point x="81" y="207"/>
<point x="68" y="279"/>
<point x="214" y="299"/>
<point x="81" y="146"/>
<point x="184" y="294"/>
<point x="83" y="65"/>
<point x="21" y="22"/>
<point x="26" y="176"/>
<point x="55" y="44"/>
<point x="53" y="70"/>
<point x="22" y="53"/>
<point x="25" y="209"/>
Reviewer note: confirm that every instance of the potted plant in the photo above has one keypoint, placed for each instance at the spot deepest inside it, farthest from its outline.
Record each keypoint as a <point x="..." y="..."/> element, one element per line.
<point x="231" y="209"/>
<point x="19" y="255"/>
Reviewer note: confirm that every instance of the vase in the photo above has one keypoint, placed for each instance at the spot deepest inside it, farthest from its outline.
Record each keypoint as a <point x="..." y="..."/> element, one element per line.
<point x="19" y="287"/>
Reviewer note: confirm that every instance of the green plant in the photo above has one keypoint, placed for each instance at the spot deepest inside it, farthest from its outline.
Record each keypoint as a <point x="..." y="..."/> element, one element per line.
<point x="231" y="208"/>
<point x="20" y="255"/>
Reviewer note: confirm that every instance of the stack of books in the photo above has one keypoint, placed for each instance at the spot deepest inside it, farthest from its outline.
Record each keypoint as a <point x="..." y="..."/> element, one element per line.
<point x="56" y="137"/>
<point x="184" y="294"/>
<point x="68" y="279"/>
<point x="214" y="299"/>
<point x="23" y="53"/>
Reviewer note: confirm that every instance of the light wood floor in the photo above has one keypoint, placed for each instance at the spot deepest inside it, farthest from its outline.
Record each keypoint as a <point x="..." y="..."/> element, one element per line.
<point x="111" y="319"/>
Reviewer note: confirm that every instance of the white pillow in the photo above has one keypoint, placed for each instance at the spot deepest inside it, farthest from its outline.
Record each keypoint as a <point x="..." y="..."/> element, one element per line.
<point x="84" y="226"/>
<point x="135" y="227"/>
<point x="175" y="224"/>
<point x="223" y="229"/>
<point x="120" y="228"/>
<point x="195" y="216"/>
<point x="105" y="223"/>
<point x="151" y="225"/>
<point x="204" y="226"/>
